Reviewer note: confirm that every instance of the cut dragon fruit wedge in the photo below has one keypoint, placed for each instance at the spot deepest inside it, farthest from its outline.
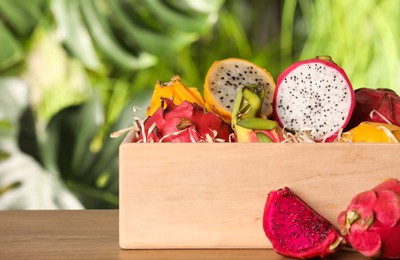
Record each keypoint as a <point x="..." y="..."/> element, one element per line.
<point x="314" y="96"/>
<point x="295" y="229"/>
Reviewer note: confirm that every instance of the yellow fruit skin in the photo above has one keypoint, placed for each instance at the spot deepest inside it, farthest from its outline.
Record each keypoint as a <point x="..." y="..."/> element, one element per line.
<point x="174" y="90"/>
<point x="372" y="132"/>
<point x="211" y="104"/>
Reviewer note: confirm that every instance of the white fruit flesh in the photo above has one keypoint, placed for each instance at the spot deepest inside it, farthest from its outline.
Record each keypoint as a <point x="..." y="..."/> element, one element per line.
<point x="314" y="97"/>
<point x="230" y="75"/>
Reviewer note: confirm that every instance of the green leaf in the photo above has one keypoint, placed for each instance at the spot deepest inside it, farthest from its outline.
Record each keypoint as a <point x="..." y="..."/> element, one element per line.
<point x="179" y="20"/>
<point x="66" y="144"/>
<point x="105" y="41"/>
<point x="16" y="17"/>
<point x="11" y="51"/>
<point x="156" y="42"/>
<point x="24" y="184"/>
<point x="75" y="34"/>
<point x="204" y="6"/>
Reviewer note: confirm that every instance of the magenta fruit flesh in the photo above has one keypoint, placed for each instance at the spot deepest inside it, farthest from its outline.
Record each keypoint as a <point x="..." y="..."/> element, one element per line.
<point x="295" y="229"/>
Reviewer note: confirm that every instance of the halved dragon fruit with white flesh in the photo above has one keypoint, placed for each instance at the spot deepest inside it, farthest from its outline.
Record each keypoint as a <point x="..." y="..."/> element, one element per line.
<point x="226" y="77"/>
<point x="314" y="96"/>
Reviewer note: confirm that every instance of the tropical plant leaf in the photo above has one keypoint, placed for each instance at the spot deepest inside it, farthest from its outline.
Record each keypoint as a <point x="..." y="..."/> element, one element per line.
<point x="68" y="149"/>
<point x="105" y="41"/>
<point x="17" y="21"/>
<point x="117" y="32"/>
<point x="187" y="22"/>
<point x="20" y="17"/>
<point x="24" y="184"/>
<point x="75" y="34"/>
<point x="154" y="42"/>
<point x="11" y="51"/>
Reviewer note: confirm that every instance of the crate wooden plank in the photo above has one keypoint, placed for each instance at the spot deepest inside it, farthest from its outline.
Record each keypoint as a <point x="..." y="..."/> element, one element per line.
<point x="212" y="195"/>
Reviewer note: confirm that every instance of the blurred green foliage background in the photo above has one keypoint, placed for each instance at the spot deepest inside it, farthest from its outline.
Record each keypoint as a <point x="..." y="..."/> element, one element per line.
<point x="72" y="70"/>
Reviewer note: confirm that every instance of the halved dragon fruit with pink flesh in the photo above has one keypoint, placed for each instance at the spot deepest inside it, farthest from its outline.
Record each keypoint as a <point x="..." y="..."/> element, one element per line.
<point x="295" y="229"/>
<point x="375" y="105"/>
<point x="314" y="96"/>
<point x="371" y="223"/>
<point x="186" y="122"/>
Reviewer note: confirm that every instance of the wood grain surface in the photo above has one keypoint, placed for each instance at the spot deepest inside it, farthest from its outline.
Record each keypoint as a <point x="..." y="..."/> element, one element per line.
<point x="213" y="195"/>
<point x="93" y="234"/>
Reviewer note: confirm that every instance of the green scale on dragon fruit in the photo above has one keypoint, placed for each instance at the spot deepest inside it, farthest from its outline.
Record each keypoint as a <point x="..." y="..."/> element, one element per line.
<point x="314" y="96"/>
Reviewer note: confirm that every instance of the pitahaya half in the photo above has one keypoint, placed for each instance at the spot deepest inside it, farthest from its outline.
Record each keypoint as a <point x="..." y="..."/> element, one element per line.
<point x="295" y="229"/>
<point x="314" y="95"/>
<point x="186" y="122"/>
<point x="225" y="77"/>
<point x="371" y="223"/>
<point x="375" y="105"/>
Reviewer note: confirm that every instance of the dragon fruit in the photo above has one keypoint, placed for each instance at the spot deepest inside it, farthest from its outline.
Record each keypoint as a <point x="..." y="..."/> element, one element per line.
<point x="174" y="90"/>
<point x="375" y="105"/>
<point x="295" y="229"/>
<point x="226" y="77"/>
<point x="371" y="223"/>
<point x="314" y="96"/>
<point x="372" y="132"/>
<point x="247" y="121"/>
<point x="186" y="122"/>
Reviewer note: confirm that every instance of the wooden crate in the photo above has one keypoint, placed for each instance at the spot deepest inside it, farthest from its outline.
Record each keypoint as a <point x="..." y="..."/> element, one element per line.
<point x="184" y="195"/>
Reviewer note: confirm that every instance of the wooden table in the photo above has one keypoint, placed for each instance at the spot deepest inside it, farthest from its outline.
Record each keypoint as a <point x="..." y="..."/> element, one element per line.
<point x="93" y="234"/>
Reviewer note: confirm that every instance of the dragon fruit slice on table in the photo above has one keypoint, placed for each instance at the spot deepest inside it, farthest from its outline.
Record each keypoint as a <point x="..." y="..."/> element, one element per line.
<point x="186" y="122"/>
<point x="375" y="105"/>
<point x="371" y="223"/>
<point x="295" y="229"/>
<point x="314" y="95"/>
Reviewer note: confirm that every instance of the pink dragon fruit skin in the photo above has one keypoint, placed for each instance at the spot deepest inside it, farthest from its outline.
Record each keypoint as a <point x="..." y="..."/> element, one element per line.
<point x="186" y="122"/>
<point x="314" y="95"/>
<point x="295" y="229"/>
<point x="385" y="101"/>
<point x="371" y="223"/>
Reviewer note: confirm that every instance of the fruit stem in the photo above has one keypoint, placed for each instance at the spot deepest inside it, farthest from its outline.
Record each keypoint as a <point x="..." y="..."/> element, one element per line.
<point x="325" y="58"/>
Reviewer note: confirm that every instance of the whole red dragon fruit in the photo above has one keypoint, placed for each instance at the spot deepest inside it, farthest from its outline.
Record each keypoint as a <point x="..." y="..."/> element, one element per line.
<point x="186" y="122"/>
<point x="371" y="223"/>
<point x="375" y="105"/>
<point x="295" y="229"/>
<point x="315" y="96"/>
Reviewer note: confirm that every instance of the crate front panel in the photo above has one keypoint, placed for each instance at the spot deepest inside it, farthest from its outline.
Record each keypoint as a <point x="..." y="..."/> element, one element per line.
<point x="213" y="195"/>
